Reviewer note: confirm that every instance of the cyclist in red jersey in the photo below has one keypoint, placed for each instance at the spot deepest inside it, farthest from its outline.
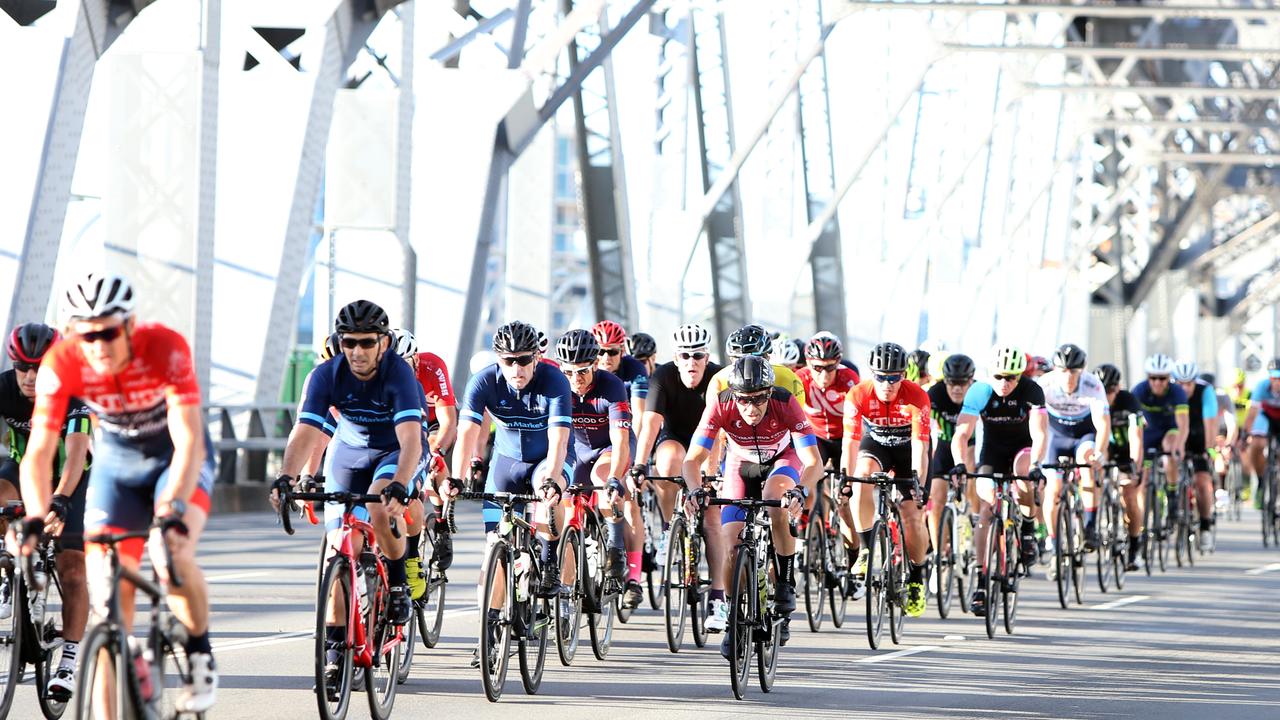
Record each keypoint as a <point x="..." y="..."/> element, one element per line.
<point x="762" y="424"/>
<point x="151" y="456"/>
<point x="895" y="412"/>
<point x="826" y="383"/>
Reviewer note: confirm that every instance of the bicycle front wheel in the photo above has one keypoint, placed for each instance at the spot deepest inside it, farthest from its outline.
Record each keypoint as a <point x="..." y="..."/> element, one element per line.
<point x="495" y="621"/>
<point x="10" y="634"/>
<point x="533" y="647"/>
<point x="944" y="556"/>
<point x="675" y="589"/>
<point x="741" y="619"/>
<point x="1078" y="561"/>
<point x="430" y="609"/>
<point x="569" y="613"/>
<point x="98" y="684"/>
<point x="1103" y="527"/>
<point x="995" y="568"/>
<point x="877" y="580"/>
<point x="1062" y="554"/>
<point x="335" y="668"/>
<point x="838" y="561"/>
<point x="812" y="562"/>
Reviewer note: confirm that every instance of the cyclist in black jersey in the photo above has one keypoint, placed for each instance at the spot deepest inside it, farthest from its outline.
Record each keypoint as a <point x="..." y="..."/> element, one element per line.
<point x="1126" y="452"/>
<point x="946" y="399"/>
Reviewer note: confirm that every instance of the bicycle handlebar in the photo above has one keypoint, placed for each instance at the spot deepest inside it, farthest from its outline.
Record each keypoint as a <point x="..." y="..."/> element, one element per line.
<point x="745" y="503"/>
<point x="341" y="497"/>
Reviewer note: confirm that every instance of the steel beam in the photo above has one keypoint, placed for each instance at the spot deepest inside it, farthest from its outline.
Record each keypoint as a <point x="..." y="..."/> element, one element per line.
<point x="202" y="327"/>
<point x="1188" y="125"/>
<point x="1207" y="158"/>
<point x="1158" y="12"/>
<point x="1239" y="245"/>
<point x="1167" y="249"/>
<point x="1199" y="92"/>
<point x="1166" y="52"/>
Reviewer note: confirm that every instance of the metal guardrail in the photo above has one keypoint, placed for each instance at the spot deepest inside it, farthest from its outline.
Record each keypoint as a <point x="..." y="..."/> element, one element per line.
<point x="247" y="439"/>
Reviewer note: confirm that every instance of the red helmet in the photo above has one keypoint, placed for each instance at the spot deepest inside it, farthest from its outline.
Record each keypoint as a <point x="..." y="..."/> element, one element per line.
<point x="28" y="343"/>
<point x="608" y="332"/>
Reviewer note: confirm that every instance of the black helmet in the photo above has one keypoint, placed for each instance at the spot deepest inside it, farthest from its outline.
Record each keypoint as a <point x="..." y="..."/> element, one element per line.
<point x="748" y="340"/>
<point x="1070" y="357"/>
<point x="823" y="347"/>
<point x="1209" y="378"/>
<point x="641" y="345"/>
<point x="28" y="343"/>
<point x="577" y="346"/>
<point x="516" y="337"/>
<point x="1109" y="374"/>
<point x="888" y="358"/>
<point x="1274" y="364"/>
<point x="362" y="316"/>
<point x="750" y="373"/>
<point x="958" y="367"/>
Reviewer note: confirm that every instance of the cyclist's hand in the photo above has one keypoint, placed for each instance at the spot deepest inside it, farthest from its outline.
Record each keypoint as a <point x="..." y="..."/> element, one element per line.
<point x="636" y="477"/>
<point x="959" y="471"/>
<point x="32" y="529"/>
<point x="437" y="465"/>
<point x="614" y="492"/>
<point x="793" y="500"/>
<point x="282" y="483"/>
<point x="395" y="497"/>
<point x="450" y="487"/>
<point x="1036" y="474"/>
<point x="549" y="490"/>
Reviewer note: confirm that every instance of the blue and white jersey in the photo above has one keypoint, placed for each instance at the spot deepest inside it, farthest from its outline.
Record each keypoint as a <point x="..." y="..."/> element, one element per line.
<point x="369" y="410"/>
<point x="631" y="371"/>
<point x="523" y="416"/>
<point x="1067" y="410"/>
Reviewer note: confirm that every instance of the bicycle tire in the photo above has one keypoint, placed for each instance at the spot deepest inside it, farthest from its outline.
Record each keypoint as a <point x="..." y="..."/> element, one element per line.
<point x="599" y="622"/>
<point x="1078" y="561"/>
<point x="407" y="650"/>
<point x="380" y="677"/>
<point x="1009" y="582"/>
<point x="740" y="622"/>
<point x="944" y="556"/>
<point x="333" y="703"/>
<point x="569" y="624"/>
<point x="877" y="579"/>
<point x="898" y="580"/>
<point x="49" y="635"/>
<point x="1148" y="529"/>
<point x="839" y="559"/>
<point x="11" y="635"/>
<point x="102" y="650"/>
<point x="676" y="606"/>
<point x="700" y="600"/>
<point x="811" y="557"/>
<point x="652" y="515"/>
<point x="1106" y="537"/>
<point x="430" y="609"/>
<point x="995" y="568"/>
<point x="1119" y="544"/>
<point x="767" y="647"/>
<point x="533" y="648"/>
<point x="1062" y="553"/>
<point x="495" y="647"/>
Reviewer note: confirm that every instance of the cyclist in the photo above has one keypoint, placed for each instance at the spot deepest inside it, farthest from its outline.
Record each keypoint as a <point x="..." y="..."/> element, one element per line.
<point x="644" y="348"/>
<point x="532" y="406"/>
<point x="151" y="453"/>
<point x="1240" y="395"/>
<point x="614" y="359"/>
<point x="1164" y="408"/>
<point x="602" y="450"/>
<point x="1015" y="433"/>
<point x="1224" y="443"/>
<point x="1263" y="421"/>
<point x="678" y="398"/>
<point x="771" y="447"/>
<point x="826" y="383"/>
<point x="791" y="355"/>
<point x="1202" y="406"/>
<point x="1126" y="453"/>
<point x="918" y="368"/>
<point x="895" y="413"/>
<point x="1079" y="429"/>
<point x="65" y="520"/>
<point x="946" y="400"/>
<point x="753" y="340"/>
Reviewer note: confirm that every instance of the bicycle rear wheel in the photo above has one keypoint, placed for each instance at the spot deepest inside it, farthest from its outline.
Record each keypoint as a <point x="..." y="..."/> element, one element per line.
<point x="1062" y="554"/>
<point x="533" y="648"/>
<point x="839" y="560"/>
<point x="333" y="689"/>
<point x="1102" y="526"/>
<point x="1119" y="544"/>
<point x="652" y="514"/>
<point x="385" y="641"/>
<point x="430" y="609"/>
<point x="495" y="634"/>
<point x="741" y="618"/>
<point x="699" y="599"/>
<point x="812" y="560"/>
<point x="675" y="606"/>
<point x="569" y="613"/>
<point x="10" y="634"/>
<point x="944" y="554"/>
<point x="410" y="643"/>
<point x="878" y="578"/>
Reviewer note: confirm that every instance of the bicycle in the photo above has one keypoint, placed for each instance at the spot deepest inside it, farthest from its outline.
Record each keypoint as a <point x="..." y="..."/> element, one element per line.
<point x="1068" y="548"/>
<point x="429" y="609"/>
<point x="1267" y="489"/>
<point x="823" y="560"/>
<point x="523" y="613"/>
<point x="1155" y="515"/>
<point x="593" y="591"/>
<point x="686" y="569"/>
<point x="886" y="579"/>
<point x="1234" y="485"/>
<point x="33" y="631"/>
<point x="1113" y="535"/>
<point x="1004" y="564"/>
<point x="1185" y="528"/>
<point x="753" y="624"/>
<point x="115" y="670"/>
<point x="368" y="640"/>
<point x="954" y="554"/>
<point x="651" y="516"/>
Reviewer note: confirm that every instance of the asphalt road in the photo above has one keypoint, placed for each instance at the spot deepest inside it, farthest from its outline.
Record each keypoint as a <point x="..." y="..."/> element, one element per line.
<point x="1200" y="643"/>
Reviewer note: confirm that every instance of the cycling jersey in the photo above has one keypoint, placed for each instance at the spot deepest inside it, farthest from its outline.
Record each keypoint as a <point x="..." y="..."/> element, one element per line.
<point x="1071" y="413"/>
<point x="1159" y="410"/>
<point x="631" y="372"/>
<point x="782" y="378"/>
<point x="825" y="408"/>
<point x="945" y="414"/>
<point x="1267" y="401"/>
<point x="602" y="409"/>
<point x="1006" y="421"/>
<point x="1124" y="407"/>
<point x="369" y="410"/>
<point x="522" y="416"/>
<point x="783" y="423"/>
<point x="889" y="424"/>
<point x="1240" y="400"/>
<point x="433" y="376"/>
<point x="680" y="407"/>
<point x="16" y="410"/>
<point x="1203" y="405"/>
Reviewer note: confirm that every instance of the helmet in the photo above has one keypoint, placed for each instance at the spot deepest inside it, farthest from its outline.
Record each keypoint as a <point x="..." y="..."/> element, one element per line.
<point x="750" y="373"/>
<point x="691" y="337"/>
<point x="1008" y="360"/>
<point x="958" y="367"/>
<point x="888" y="358"/>
<point x="362" y="316"/>
<point x="28" y="343"/>
<point x="608" y="332"/>
<point x="97" y="295"/>
<point x="578" y="346"/>
<point x="1041" y="364"/>
<point x="517" y="337"/>
<point x="823" y="346"/>
<point x="1109" y="374"/>
<point x="1209" y="378"/>
<point x="406" y="344"/>
<point x="1273" y="365"/>
<point x="641" y="345"/>
<point x="1158" y="364"/>
<point x="748" y="340"/>
<point x="330" y="348"/>
<point x="544" y="342"/>
<point x="917" y="364"/>
<point x="1240" y="376"/>
<point x="790" y="354"/>
<point x="1186" y="371"/>
<point x="481" y="360"/>
<point x="1070" y="357"/>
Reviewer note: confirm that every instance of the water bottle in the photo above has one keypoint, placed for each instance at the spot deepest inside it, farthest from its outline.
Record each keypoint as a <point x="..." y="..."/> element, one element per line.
<point x="362" y="591"/>
<point x="593" y="555"/>
<point x="37" y="600"/>
<point x="141" y="669"/>
<point x="966" y="535"/>
<point x="522" y="574"/>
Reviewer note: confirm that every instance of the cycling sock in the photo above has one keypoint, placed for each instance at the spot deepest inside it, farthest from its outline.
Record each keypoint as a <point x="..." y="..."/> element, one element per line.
<point x="1089" y="517"/>
<point x="865" y="536"/>
<point x="1028" y="527"/>
<point x="334" y="635"/>
<point x="634" y="565"/>
<point x="549" y="550"/>
<point x="411" y="545"/>
<point x="396" y="575"/>
<point x="616" y="529"/>
<point x="198" y="644"/>
<point x="1206" y="524"/>
<point x="786" y="568"/>
<point x="717" y="595"/>
<point x="69" y="650"/>
<point x="915" y="573"/>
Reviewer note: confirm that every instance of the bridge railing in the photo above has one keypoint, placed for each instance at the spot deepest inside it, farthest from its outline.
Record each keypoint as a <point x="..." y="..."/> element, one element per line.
<point x="249" y="440"/>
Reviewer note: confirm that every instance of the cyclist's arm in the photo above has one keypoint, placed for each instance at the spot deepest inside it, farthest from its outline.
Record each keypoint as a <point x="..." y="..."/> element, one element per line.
<point x="186" y="431"/>
<point x="1233" y="430"/>
<point x="557" y="449"/>
<point x="1102" y="429"/>
<point x="36" y="470"/>
<point x="649" y="430"/>
<point x="1250" y="416"/>
<point x="444" y="438"/>
<point x="1135" y="439"/>
<point x="1039" y="422"/>
<point x="77" y="445"/>
<point x="620" y="458"/>
<point x="1182" y="417"/>
<point x="409" y="436"/>
<point x="961" y="450"/>
<point x="810" y="460"/>
<point x="920" y="438"/>
<point x="693" y="461"/>
<point x="465" y="449"/>
<point x="852" y="434"/>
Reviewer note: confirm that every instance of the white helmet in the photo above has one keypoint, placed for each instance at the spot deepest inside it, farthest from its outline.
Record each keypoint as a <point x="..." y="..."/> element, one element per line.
<point x="1008" y="360"/>
<point x="96" y="295"/>
<point x="406" y="344"/>
<point x="789" y="353"/>
<point x="482" y="360"/>
<point x="1186" y="372"/>
<point x="1159" y="364"/>
<point x="543" y="342"/>
<point x="691" y="337"/>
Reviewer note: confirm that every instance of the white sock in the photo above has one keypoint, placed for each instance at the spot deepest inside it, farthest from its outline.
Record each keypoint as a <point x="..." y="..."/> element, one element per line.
<point x="69" y="651"/>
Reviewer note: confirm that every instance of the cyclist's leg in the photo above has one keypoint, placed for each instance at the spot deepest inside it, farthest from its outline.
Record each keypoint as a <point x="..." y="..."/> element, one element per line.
<point x="633" y="509"/>
<point x="669" y="462"/>
<point x="1027" y="506"/>
<point x="70" y="566"/>
<point x="740" y="480"/>
<point x="1090" y="491"/>
<point x="1257" y="448"/>
<point x="190" y="603"/>
<point x="1204" y="487"/>
<point x="784" y="476"/>
<point x="872" y="458"/>
<point x="936" y="485"/>
<point x="1059" y="447"/>
<point x="392" y="547"/>
<point x="10" y="490"/>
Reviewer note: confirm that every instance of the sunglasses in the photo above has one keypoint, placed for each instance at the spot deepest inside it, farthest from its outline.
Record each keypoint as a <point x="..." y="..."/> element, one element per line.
<point x="520" y="360"/>
<point x="571" y="372"/>
<point x="1158" y="378"/>
<point x="1007" y="378"/>
<point x="105" y="334"/>
<point x="352" y="343"/>
<point x="692" y="356"/>
<point x="755" y="400"/>
<point x="956" y="383"/>
<point x="824" y="368"/>
<point x="25" y="366"/>
<point x="889" y="379"/>
<point x="611" y="352"/>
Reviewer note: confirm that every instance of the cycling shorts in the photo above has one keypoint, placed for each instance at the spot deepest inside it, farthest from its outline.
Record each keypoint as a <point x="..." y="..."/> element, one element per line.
<point x="72" y="537"/>
<point x="511" y="476"/>
<point x="356" y="469"/>
<point x="891" y="458"/>
<point x="128" y="476"/>
<point x="1067" y="445"/>
<point x="1000" y="458"/>
<point x="1153" y="440"/>
<point x="745" y="480"/>
<point x="585" y="464"/>
<point x="831" y="450"/>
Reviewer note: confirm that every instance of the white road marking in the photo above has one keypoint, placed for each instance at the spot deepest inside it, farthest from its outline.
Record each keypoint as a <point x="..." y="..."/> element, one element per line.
<point x="300" y="635"/>
<point x="238" y="575"/>
<point x="1264" y="569"/>
<point x="1121" y="602"/>
<point x="953" y="637"/>
<point x="898" y="654"/>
